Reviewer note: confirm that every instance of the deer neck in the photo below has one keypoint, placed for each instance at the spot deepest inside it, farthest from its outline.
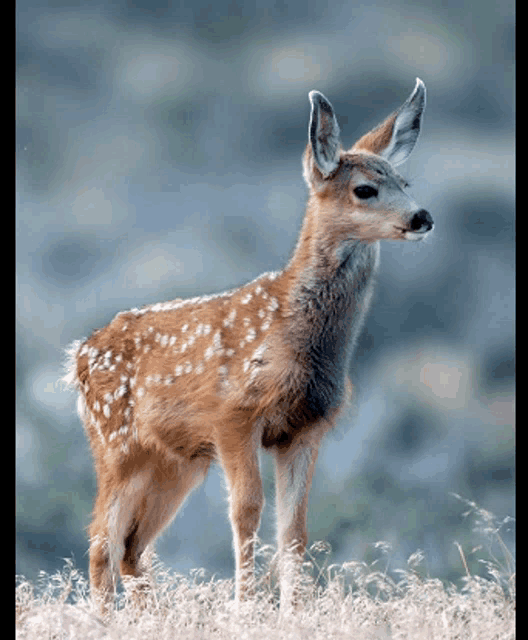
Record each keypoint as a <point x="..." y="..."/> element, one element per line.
<point x="330" y="287"/>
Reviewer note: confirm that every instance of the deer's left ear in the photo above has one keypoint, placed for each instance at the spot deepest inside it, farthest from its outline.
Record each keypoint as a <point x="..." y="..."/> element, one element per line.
<point x="395" y="138"/>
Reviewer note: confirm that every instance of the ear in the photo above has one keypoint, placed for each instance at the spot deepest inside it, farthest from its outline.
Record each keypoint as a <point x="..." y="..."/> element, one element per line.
<point x="323" y="140"/>
<point x="395" y="138"/>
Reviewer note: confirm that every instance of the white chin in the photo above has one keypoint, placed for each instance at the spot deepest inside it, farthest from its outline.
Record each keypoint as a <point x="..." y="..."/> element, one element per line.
<point x="413" y="236"/>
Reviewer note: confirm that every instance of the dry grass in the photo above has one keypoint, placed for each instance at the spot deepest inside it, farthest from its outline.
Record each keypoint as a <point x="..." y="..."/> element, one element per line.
<point x="352" y="600"/>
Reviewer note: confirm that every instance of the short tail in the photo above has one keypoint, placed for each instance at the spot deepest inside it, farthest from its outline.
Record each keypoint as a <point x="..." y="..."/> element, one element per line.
<point x="70" y="378"/>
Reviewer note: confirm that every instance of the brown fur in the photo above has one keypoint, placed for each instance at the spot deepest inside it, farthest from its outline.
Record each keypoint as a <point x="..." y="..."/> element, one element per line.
<point x="377" y="139"/>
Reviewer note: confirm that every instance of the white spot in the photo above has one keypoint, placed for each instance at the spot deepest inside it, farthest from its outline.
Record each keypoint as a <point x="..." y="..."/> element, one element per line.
<point x="109" y="398"/>
<point x="97" y="406"/>
<point x="158" y="337"/>
<point x="217" y="341"/>
<point x="123" y="430"/>
<point x="172" y="341"/>
<point x="146" y="349"/>
<point x="230" y="320"/>
<point x="140" y="392"/>
<point x="258" y="289"/>
<point x="151" y="329"/>
<point x="259" y="353"/>
<point x="273" y="305"/>
<point x="125" y="327"/>
<point x="178" y="370"/>
<point x="246" y="365"/>
<point x="112" y="436"/>
<point x="188" y="367"/>
<point x="222" y="370"/>
<point x="247" y="322"/>
<point x="113" y="367"/>
<point x="265" y="325"/>
<point x="120" y="392"/>
<point x="123" y="379"/>
<point x="106" y="411"/>
<point x="99" y="431"/>
<point x="126" y="412"/>
<point x="184" y="328"/>
<point x="207" y="329"/>
<point x="251" y="335"/>
<point x="191" y="340"/>
<point x="169" y="380"/>
<point x="118" y="358"/>
<point x="230" y="353"/>
<point x="183" y="348"/>
<point x="261" y="313"/>
<point x="246" y="298"/>
<point x="209" y="352"/>
<point x="241" y="344"/>
<point x="199" y="330"/>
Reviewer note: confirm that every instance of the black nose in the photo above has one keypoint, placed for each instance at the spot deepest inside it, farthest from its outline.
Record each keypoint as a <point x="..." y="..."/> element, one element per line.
<point x="422" y="221"/>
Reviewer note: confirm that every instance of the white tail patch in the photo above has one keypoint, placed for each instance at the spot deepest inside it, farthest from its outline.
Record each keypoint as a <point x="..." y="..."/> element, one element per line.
<point x="70" y="378"/>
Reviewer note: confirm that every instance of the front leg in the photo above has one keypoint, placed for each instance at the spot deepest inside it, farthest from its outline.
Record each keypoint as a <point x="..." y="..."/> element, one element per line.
<point x="294" y="466"/>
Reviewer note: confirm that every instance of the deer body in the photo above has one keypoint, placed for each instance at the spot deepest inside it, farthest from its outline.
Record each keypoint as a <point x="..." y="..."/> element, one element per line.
<point x="167" y="389"/>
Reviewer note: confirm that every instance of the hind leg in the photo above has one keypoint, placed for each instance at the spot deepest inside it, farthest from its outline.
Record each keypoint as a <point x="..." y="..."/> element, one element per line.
<point x="102" y="579"/>
<point x="159" y="504"/>
<point x="132" y="517"/>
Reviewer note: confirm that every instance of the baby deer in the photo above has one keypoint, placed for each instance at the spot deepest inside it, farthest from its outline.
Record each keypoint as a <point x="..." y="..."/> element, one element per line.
<point x="169" y="388"/>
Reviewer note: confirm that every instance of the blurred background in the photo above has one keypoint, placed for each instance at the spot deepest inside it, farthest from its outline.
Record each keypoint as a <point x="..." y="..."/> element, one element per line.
<point x="159" y="155"/>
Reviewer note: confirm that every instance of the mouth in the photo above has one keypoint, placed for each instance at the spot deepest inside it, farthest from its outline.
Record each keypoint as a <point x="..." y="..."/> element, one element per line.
<point x="413" y="236"/>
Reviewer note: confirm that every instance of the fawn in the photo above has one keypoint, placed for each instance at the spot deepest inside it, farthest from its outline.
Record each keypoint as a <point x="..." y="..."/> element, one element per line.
<point x="169" y="388"/>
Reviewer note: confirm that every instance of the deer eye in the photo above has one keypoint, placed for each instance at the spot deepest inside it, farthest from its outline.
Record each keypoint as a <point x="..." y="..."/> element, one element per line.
<point x="365" y="192"/>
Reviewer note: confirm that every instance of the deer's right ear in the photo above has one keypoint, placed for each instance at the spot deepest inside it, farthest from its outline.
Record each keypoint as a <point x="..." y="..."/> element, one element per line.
<point x="395" y="138"/>
<point x="322" y="154"/>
